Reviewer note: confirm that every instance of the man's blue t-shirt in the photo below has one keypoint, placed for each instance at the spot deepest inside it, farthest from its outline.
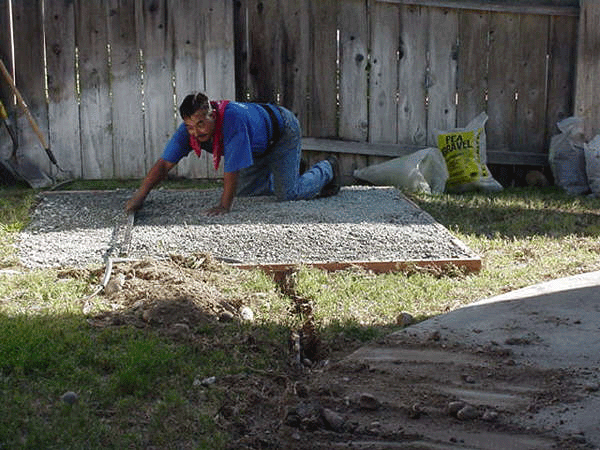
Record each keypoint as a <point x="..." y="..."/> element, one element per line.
<point x="246" y="132"/>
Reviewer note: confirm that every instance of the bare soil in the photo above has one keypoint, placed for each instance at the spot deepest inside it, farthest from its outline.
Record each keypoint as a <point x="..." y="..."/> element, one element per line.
<point x="401" y="392"/>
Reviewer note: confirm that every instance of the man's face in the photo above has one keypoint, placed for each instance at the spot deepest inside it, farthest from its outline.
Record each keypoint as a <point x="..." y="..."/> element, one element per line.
<point x="200" y="125"/>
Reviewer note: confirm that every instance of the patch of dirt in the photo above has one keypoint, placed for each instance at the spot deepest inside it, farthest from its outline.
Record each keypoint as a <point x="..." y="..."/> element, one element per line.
<point x="398" y="393"/>
<point x="183" y="290"/>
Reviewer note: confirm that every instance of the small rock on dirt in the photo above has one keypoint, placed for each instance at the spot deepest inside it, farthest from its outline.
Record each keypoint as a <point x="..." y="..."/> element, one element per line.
<point x="490" y="416"/>
<point x="332" y="419"/>
<point x="455" y="407"/>
<point x="468" y="379"/>
<point x="467" y="413"/>
<point x="368" y="401"/>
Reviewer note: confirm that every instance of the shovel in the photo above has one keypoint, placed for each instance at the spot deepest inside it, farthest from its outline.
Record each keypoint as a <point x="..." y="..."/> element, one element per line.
<point x="21" y="166"/>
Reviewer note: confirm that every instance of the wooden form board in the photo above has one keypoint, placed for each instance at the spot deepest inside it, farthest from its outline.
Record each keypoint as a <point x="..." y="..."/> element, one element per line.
<point x="468" y="265"/>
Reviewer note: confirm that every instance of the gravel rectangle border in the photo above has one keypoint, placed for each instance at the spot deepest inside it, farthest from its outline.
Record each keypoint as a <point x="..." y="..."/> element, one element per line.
<point x="367" y="226"/>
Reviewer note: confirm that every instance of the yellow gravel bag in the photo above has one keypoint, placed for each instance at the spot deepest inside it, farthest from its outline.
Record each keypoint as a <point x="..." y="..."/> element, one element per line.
<point x="464" y="151"/>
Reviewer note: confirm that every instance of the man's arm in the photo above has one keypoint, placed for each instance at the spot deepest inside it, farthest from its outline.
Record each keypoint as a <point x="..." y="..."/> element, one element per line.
<point x="229" y="187"/>
<point x="155" y="175"/>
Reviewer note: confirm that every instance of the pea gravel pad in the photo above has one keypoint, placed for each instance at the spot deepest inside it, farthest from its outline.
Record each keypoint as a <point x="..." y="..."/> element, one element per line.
<point x="75" y="229"/>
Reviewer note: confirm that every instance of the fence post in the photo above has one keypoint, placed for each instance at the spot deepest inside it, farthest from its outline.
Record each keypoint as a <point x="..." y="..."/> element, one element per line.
<point x="587" y="86"/>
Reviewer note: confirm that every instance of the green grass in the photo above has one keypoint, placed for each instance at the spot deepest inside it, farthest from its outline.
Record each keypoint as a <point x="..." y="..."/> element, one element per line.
<point x="171" y="183"/>
<point x="136" y="386"/>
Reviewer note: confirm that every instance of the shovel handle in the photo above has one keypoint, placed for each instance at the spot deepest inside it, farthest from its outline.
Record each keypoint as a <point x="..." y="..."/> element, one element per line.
<point x="25" y="109"/>
<point x="3" y="113"/>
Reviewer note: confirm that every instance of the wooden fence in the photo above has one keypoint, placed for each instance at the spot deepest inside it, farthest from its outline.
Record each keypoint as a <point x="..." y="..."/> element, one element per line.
<point x="115" y="71"/>
<point x="386" y="73"/>
<point x="393" y="71"/>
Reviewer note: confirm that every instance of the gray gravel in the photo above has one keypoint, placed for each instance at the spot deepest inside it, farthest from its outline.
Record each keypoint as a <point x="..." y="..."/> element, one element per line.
<point x="359" y="224"/>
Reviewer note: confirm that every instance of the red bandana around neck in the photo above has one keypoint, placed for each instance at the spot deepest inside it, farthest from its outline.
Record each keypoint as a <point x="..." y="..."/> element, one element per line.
<point x="217" y="146"/>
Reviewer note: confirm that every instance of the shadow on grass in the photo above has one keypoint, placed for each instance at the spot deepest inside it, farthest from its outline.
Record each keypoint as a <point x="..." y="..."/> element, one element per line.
<point x="141" y="384"/>
<point x="515" y="213"/>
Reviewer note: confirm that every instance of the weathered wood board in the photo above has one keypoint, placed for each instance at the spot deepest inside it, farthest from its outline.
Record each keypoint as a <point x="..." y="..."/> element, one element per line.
<point x="354" y="59"/>
<point x="156" y="40"/>
<point x="30" y="78"/>
<point x="472" y="80"/>
<point x="441" y="75"/>
<point x="126" y="90"/>
<point x="412" y="73"/>
<point x="63" y="110"/>
<point x="587" y="104"/>
<point x="95" y="114"/>
<point x="322" y="88"/>
<point x="383" y="80"/>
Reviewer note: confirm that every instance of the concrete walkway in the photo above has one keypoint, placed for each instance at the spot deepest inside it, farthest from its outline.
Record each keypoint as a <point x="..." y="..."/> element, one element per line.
<point x="529" y="359"/>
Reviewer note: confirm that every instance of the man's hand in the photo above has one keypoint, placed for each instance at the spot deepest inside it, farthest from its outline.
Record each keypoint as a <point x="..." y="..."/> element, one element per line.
<point x="155" y="175"/>
<point x="134" y="204"/>
<point x="229" y="184"/>
<point x="217" y="211"/>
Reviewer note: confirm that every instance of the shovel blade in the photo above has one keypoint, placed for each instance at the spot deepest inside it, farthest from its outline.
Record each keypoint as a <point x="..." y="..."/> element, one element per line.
<point x="23" y="169"/>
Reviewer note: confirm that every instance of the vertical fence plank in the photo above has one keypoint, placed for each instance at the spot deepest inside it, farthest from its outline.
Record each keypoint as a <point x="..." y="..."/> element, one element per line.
<point x="532" y="76"/>
<point x="128" y="131"/>
<point x="587" y="103"/>
<point x="218" y="50"/>
<point x="241" y="49"/>
<point x="323" y="79"/>
<point x="30" y="77"/>
<point x="188" y="53"/>
<point x="472" y="65"/>
<point x="561" y="71"/>
<point x="218" y="58"/>
<point x="502" y="83"/>
<point x="354" y="39"/>
<point x="264" y="45"/>
<point x="94" y="109"/>
<point x="63" y="111"/>
<point x="295" y="59"/>
<point x="443" y="40"/>
<point x="412" y="61"/>
<point x="278" y="54"/>
<point x="156" y="41"/>
<point x="5" y="52"/>
<point x="6" y="145"/>
<point x="385" y="35"/>
<point x="186" y="17"/>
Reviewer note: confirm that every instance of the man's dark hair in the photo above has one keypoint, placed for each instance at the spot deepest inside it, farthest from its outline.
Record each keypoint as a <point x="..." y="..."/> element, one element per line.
<point x="192" y="103"/>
